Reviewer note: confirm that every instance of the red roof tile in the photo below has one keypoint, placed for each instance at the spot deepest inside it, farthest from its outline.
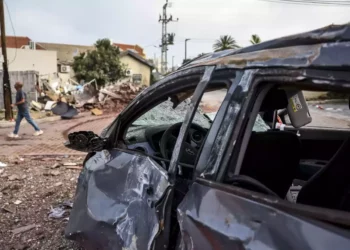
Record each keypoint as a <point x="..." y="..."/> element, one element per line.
<point x="137" y="48"/>
<point x="18" y="42"/>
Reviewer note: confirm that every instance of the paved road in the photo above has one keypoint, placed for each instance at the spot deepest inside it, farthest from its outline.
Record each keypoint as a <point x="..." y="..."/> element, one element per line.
<point x="51" y="142"/>
<point x="330" y="116"/>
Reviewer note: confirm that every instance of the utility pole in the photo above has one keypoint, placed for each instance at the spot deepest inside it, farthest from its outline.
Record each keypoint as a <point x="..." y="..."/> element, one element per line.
<point x="187" y="39"/>
<point x="172" y="65"/>
<point x="6" y="78"/>
<point x="167" y="39"/>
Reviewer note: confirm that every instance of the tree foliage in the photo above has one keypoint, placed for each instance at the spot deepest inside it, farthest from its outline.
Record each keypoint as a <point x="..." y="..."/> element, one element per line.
<point x="255" y="39"/>
<point x="102" y="64"/>
<point x="224" y="43"/>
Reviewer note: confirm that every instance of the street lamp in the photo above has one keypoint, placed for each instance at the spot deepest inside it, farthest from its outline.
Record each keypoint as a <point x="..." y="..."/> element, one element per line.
<point x="173" y="64"/>
<point x="187" y="39"/>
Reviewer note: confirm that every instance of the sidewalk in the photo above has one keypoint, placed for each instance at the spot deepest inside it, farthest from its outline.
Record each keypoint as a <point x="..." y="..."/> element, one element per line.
<point x="8" y="124"/>
<point x="51" y="142"/>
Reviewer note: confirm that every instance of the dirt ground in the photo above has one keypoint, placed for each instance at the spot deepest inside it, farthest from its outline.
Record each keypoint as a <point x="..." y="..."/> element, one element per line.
<point x="29" y="188"/>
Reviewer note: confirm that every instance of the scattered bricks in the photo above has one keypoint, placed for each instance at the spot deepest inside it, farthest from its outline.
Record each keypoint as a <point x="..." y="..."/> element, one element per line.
<point x="96" y="112"/>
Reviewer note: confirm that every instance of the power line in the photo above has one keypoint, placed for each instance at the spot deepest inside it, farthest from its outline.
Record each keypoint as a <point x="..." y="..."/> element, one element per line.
<point x="317" y="2"/>
<point x="311" y="2"/>
<point x="14" y="32"/>
<point x="152" y="44"/>
<point x="199" y="39"/>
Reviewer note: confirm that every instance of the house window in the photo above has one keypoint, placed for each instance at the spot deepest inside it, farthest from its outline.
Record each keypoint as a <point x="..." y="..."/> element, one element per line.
<point x="137" y="78"/>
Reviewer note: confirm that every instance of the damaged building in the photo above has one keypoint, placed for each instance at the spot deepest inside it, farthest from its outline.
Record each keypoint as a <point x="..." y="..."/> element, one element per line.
<point x="138" y="68"/>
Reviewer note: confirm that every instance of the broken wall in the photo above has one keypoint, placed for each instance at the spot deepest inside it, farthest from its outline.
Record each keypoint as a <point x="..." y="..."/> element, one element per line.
<point x="28" y="78"/>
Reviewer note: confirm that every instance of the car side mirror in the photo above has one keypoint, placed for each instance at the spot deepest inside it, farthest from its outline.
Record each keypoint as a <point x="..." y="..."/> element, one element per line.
<point x="85" y="141"/>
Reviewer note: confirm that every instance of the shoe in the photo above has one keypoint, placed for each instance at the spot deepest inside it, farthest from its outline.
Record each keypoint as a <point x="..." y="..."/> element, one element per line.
<point x="37" y="133"/>
<point x="12" y="135"/>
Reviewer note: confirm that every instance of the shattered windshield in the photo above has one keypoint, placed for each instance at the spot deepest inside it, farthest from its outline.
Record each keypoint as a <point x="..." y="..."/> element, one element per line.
<point x="164" y="114"/>
<point x="260" y="125"/>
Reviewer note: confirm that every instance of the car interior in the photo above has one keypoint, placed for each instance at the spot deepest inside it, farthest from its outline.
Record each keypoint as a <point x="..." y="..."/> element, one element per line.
<point x="305" y="164"/>
<point x="155" y="132"/>
<point x="294" y="159"/>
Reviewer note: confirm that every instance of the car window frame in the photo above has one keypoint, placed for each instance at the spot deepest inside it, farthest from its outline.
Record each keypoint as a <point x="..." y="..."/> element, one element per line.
<point x="184" y="82"/>
<point x="233" y="149"/>
<point x="283" y="77"/>
<point x="195" y="100"/>
<point x="228" y="125"/>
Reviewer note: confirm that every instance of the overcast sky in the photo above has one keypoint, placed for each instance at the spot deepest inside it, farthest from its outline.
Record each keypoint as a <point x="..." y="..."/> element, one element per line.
<point x="136" y="21"/>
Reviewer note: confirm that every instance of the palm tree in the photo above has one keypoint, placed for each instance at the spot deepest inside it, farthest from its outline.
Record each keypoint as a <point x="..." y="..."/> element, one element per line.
<point x="255" y="39"/>
<point x="225" y="42"/>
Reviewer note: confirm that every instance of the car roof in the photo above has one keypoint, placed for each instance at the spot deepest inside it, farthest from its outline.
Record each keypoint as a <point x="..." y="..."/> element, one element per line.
<point x="326" y="47"/>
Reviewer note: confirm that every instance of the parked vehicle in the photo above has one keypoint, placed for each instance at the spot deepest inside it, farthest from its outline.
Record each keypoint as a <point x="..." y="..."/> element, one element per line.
<point x="164" y="175"/>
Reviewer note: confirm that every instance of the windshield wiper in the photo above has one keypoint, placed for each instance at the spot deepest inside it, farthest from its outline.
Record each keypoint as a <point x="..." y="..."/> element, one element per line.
<point x="206" y="116"/>
<point x="136" y="125"/>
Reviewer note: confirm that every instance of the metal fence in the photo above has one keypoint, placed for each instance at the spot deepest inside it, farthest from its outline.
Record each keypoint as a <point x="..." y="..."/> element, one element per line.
<point x="28" y="78"/>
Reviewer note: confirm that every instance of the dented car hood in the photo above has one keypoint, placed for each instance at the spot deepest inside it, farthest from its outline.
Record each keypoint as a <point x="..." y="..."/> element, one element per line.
<point x="115" y="204"/>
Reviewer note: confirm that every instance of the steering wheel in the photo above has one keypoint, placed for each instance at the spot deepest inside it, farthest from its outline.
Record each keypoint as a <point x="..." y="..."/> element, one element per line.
<point x="192" y="142"/>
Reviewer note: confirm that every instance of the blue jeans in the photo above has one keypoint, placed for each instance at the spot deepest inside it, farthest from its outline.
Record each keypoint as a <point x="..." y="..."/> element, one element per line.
<point x="24" y="114"/>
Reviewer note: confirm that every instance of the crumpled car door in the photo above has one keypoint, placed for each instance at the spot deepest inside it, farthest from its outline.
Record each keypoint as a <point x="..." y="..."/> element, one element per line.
<point x="117" y="201"/>
<point x="216" y="216"/>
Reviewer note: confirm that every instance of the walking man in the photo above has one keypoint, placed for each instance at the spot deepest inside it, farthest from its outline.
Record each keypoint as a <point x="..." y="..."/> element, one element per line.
<point x="23" y="112"/>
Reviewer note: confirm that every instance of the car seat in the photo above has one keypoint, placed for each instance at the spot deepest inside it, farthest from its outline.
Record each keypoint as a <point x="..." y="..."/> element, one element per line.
<point x="272" y="158"/>
<point x="330" y="187"/>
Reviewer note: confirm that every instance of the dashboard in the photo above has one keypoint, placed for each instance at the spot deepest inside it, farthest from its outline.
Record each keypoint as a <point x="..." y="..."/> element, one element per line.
<point x="147" y="139"/>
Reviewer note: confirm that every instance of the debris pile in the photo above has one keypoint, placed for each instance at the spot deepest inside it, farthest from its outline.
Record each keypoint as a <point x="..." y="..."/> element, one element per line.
<point x="67" y="100"/>
<point x="118" y="95"/>
<point x="58" y="98"/>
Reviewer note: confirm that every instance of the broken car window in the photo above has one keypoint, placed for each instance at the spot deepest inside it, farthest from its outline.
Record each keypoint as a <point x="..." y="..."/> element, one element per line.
<point x="260" y="125"/>
<point x="165" y="114"/>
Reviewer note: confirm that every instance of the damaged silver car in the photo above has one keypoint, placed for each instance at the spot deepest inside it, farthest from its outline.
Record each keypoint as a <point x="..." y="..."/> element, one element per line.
<point x="164" y="175"/>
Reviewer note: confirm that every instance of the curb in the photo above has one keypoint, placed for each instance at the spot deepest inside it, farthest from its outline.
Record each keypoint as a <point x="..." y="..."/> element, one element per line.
<point x="328" y="101"/>
<point x="7" y="124"/>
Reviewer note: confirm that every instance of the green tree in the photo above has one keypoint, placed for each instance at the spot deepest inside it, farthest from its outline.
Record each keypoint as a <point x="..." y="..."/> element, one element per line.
<point x="255" y="39"/>
<point x="224" y="43"/>
<point x="102" y="64"/>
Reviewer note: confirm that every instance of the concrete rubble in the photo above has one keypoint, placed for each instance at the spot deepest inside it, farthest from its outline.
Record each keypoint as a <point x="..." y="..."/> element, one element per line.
<point x="69" y="99"/>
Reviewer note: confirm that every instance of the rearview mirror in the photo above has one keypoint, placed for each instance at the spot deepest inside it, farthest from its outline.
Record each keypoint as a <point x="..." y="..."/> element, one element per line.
<point x="85" y="141"/>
